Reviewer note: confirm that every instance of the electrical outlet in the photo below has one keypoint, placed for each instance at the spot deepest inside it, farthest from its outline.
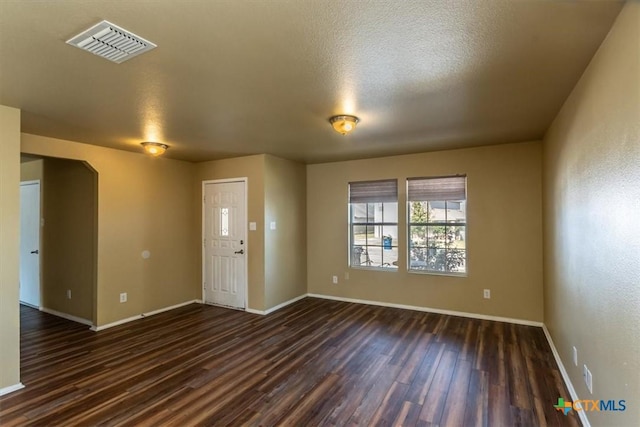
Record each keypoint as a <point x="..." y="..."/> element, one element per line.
<point x="335" y="280"/>
<point x="123" y="297"/>
<point x="68" y="293"/>
<point x="487" y="294"/>
<point x="575" y="356"/>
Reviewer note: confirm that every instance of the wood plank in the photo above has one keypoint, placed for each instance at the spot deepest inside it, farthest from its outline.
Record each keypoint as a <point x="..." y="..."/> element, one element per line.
<point x="477" y="401"/>
<point x="436" y="397"/>
<point x="453" y="413"/>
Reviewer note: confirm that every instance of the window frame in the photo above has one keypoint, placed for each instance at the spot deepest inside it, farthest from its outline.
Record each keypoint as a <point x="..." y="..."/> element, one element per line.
<point x="351" y="225"/>
<point x="438" y="223"/>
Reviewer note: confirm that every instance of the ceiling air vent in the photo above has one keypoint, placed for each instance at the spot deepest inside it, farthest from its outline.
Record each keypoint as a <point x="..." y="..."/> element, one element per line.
<point x="111" y="42"/>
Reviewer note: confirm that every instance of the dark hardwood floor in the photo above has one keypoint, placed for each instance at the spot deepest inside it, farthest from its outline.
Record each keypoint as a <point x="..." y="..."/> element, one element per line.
<point x="315" y="362"/>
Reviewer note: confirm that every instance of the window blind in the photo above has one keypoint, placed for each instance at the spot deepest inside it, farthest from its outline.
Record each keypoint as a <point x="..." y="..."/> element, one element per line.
<point x="373" y="191"/>
<point x="442" y="188"/>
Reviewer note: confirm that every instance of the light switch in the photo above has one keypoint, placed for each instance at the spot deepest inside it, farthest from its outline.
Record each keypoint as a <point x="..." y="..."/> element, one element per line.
<point x="252" y="226"/>
<point x="272" y="225"/>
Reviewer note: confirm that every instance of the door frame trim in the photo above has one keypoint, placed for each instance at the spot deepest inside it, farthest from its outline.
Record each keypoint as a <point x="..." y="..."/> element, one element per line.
<point x="245" y="181"/>
<point x="37" y="182"/>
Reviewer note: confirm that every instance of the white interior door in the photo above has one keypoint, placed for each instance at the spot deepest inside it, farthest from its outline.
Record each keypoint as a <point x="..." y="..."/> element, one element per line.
<point x="224" y="242"/>
<point x="30" y="243"/>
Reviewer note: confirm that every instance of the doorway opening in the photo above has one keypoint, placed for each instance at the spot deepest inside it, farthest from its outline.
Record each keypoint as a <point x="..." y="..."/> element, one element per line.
<point x="60" y="232"/>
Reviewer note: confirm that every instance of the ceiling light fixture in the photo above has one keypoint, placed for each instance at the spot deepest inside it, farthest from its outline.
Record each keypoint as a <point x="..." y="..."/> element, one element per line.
<point x="154" y="148"/>
<point x="344" y="124"/>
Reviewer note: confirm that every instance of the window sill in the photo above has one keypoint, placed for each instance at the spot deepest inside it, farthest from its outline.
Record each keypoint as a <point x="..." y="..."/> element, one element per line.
<point x="437" y="273"/>
<point x="360" y="267"/>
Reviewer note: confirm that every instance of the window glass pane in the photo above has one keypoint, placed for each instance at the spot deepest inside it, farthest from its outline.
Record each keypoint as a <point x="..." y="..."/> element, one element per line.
<point x="456" y="211"/>
<point x="390" y="212"/>
<point x="417" y="235"/>
<point x="436" y="259"/>
<point x="460" y="234"/>
<point x="437" y="211"/>
<point x="448" y="237"/>
<point x="359" y="235"/>
<point x="373" y="209"/>
<point x="418" y="258"/>
<point x="418" y="212"/>
<point x="373" y="235"/>
<point x="389" y="236"/>
<point x="224" y="221"/>
<point x="390" y="258"/>
<point x="365" y="257"/>
<point x="358" y="212"/>
<point x="439" y="248"/>
<point x="455" y="260"/>
<point x="455" y="237"/>
<point x="374" y="256"/>
<point x="357" y="255"/>
<point x="436" y="237"/>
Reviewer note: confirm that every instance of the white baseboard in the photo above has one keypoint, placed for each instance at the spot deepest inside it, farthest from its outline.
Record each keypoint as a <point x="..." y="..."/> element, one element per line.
<point x="431" y="310"/>
<point x="37" y="307"/>
<point x="277" y="307"/>
<point x="284" y="304"/>
<point x="11" y="389"/>
<point x="116" y="323"/>
<point x="67" y="316"/>
<point x="162" y="310"/>
<point x="565" y="376"/>
<point x="141" y="316"/>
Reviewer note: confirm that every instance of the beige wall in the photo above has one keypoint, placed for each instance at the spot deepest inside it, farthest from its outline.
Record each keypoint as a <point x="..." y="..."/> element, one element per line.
<point x="252" y="168"/>
<point x="592" y="233"/>
<point x="68" y="255"/>
<point x="144" y="203"/>
<point x="9" y="246"/>
<point x="31" y="170"/>
<point x="285" y="247"/>
<point x="504" y="235"/>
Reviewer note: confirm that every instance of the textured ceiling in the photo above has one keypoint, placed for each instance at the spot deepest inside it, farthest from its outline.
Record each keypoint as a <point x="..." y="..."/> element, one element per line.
<point x="233" y="78"/>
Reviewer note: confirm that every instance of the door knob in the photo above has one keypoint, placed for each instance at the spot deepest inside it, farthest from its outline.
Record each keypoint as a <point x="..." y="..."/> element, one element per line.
<point x="35" y="252"/>
<point x="241" y="251"/>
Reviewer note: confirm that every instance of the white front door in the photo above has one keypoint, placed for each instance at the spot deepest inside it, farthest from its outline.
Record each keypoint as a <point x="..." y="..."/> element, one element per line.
<point x="225" y="243"/>
<point x="30" y="243"/>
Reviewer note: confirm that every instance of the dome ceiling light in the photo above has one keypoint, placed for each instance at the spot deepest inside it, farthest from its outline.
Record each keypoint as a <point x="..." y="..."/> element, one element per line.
<point x="344" y="124"/>
<point x="154" y="148"/>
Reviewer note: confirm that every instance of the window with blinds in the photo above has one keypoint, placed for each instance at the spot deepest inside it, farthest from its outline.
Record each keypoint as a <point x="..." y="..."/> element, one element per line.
<point x="373" y="224"/>
<point x="437" y="224"/>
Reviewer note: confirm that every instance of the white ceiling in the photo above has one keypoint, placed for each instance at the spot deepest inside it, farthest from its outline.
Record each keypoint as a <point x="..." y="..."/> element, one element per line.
<point x="237" y="77"/>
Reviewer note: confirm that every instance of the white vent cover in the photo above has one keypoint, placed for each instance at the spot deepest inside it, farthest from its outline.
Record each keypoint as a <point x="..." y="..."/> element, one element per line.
<point x="111" y="42"/>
